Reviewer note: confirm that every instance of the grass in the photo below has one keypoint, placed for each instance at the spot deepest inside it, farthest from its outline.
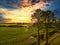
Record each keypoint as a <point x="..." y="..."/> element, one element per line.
<point x="14" y="36"/>
<point x="18" y="35"/>
<point x="56" y="41"/>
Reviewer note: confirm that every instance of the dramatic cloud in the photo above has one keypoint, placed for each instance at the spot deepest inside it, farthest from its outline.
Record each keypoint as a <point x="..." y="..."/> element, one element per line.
<point x="23" y="12"/>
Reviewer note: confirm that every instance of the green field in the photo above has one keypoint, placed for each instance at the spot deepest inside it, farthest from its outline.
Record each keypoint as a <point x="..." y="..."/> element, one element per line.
<point x="21" y="36"/>
<point x="16" y="35"/>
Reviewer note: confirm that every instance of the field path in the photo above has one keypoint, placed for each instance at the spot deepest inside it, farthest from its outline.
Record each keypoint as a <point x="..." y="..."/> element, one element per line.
<point x="51" y="39"/>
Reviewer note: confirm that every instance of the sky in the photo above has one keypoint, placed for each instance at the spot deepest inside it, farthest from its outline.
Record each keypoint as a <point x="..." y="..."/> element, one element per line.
<point x="13" y="4"/>
<point x="55" y="6"/>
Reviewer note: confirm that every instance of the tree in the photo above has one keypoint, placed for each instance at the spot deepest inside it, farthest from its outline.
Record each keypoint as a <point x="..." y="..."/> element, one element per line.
<point x="37" y="15"/>
<point x="58" y="24"/>
<point x="46" y="18"/>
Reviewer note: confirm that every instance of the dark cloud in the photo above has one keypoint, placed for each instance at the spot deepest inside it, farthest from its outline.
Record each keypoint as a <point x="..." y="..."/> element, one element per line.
<point x="16" y="3"/>
<point x="10" y="3"/>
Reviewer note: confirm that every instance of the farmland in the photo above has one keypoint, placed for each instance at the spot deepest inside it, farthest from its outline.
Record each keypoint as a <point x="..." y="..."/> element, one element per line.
<point x="20" y="35"/>
<point x="15" y="35"/>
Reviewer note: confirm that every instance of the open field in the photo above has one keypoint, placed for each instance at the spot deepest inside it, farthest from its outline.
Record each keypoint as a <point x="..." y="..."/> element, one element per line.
<point x="16" y="35"/>
<point x="20" y="36"/>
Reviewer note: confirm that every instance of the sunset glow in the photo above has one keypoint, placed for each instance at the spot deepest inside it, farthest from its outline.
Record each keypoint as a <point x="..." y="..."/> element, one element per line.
<point x="23" y="14"/>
